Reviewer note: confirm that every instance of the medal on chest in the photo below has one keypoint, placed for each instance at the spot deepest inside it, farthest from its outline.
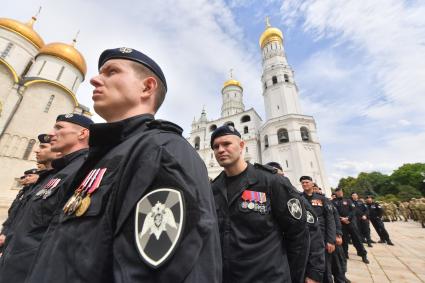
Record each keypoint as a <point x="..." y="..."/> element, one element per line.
<point x="316" y="202"/>
<point x="80" y="201"/>
<point x="48" y="188"/>
<point x="255" y="201"/>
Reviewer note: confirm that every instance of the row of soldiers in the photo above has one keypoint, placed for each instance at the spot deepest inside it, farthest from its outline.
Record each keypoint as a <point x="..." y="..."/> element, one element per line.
<point x="413" y="209"/>
<point x="129" y="200"/>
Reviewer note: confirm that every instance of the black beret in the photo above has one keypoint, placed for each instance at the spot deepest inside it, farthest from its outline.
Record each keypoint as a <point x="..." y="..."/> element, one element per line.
<point x="224" y="130"/>
<point x="338" y="189"/>
<point x="78" y="119"/>
<point x="133" y="55"/>
<point x="31" y="171"/>
<point x="352" y="193"/>
<point x="306" y="178"/>
<point x="275" y="165"/>
<point x="44" y="138"/>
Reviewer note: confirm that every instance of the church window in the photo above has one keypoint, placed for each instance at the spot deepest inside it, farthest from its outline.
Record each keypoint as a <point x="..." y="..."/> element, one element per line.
<point x="245" y="119"/>
<point x="266" y="141"/>
<point x="246" y="149"/>
<point x="49" y="104"/>
<point x="42" y="67"/>
<point x="287" y="164"/>
<point x="277" y="107"/>
<point x="60" y="73"/>
<point x="286" y="77"/>
<point x="274" y="80"/>
<point x="235" y="95"/>
<point x="245" y="130"/>
<point x="265" y="85"/>
<point x="282" y="136"/>
<point x="6" y="51"/>
<point x="213" y="127"/>
<point x="305" y="135"/>
<point x="75" y="82"/>
<point x="29" y="149"/>
<point x="197" y="142"/>
<point x="229" y="124"/>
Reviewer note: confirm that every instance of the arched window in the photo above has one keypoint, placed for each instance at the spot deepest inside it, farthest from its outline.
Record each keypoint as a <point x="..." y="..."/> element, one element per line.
<point x="28" y="149"/>
<point x="197" y="142"/>
<point x="213" y="127"/>
<point x="49" y="104"/>
<point x="274" y="80"/>
<point x="305" y="135"/>
<point x="266" y="141"/>
<point x="286" y="77"/>
<point x="245" y="119"/>
<point x="245" y="130"/>
<point x="229" y="124"/>
<point x="265" y="85"/>
<point x="282" y="136"/>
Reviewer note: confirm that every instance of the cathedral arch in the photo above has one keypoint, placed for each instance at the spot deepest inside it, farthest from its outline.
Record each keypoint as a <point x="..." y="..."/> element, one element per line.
<point x="274" y="80"/>
<point x="245" y="119"/>
<point x="213" y="127"/>
<point x="55" y="84"/>
<point x="11" y="70"/>
<point x="305" y="134"/>
<point x="266" y="141"/>
<point x="197" y="143"/>
<point x="282" y="135"/>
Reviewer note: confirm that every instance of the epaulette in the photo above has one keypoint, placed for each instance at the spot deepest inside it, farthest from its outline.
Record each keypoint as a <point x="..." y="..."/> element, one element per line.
<point x="165" y="125"/>
<point x="267" y="168"/>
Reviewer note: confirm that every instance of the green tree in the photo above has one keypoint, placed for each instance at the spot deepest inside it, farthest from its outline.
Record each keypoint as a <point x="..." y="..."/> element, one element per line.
<point x="411" y="174"/>
<point x="408" y="192"/>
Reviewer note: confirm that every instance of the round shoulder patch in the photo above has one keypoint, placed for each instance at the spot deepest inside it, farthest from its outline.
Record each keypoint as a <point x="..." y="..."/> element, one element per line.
<point x="160" y="217"/>
<point x="294" y="208"/>
<point x="310" y="217"/>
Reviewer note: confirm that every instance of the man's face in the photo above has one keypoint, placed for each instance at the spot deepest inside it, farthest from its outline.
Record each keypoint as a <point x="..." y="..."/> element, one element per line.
<point x="117" y="88"/>
<point x="339" y="194"/>
<point x="43" y="153"/>
<point x="369" y="200"/>
<point x="31" y="179"/>
<point x="64" y="136"/>
<point x="307" y="185"/>
<point x="228" y="150"/>
<point x="354" y="196"/>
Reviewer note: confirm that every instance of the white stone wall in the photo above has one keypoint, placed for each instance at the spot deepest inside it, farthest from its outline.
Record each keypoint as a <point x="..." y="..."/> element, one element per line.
<point x="6" y="83"/>
<point x="232" y="97"/>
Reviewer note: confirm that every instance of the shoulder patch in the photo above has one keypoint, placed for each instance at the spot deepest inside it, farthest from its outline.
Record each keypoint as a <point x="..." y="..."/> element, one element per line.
<point x="165" y="125"/>
<point x="267" y="168"/>
<point x="294" y="208"/>
<point x="160" y="216"/>
<point x="310" y="217"/>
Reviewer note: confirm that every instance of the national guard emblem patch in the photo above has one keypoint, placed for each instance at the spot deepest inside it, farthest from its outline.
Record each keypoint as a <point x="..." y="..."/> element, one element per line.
<point x="294" y="207"/>
<point x="310" y="217"/>
<point x="159" y="221"/>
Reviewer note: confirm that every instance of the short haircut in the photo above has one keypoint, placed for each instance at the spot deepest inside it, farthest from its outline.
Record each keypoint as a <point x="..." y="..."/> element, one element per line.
<point x="160" y="91"/>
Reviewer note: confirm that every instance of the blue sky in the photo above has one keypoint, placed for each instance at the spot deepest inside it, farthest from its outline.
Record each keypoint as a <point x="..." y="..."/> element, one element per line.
<point x="359" y="65"/>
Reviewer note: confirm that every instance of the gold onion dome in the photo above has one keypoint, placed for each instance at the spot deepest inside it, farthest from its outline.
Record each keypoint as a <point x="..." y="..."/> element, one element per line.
<point x="270" y="34"/>
<point x="231" y="81"/>
<point x="66" y="52"/>
<point x="25" y="30"/>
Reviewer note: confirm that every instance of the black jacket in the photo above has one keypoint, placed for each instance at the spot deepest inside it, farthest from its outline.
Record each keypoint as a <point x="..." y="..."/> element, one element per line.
<point x="324" y="211"/>
<point x="140" y="155"/>
<point x="375" y="210"/>
<point x="38" y="213"/>
<point x="345" y="208"/>
<point x="251" y="239"/>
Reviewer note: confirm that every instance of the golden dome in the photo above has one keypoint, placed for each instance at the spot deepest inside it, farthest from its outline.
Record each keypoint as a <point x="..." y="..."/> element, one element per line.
<point x="24" y="30"/>
<point x="66" y="52"/>
<point x="270" y="34"/>
<point x="232" y="82"/>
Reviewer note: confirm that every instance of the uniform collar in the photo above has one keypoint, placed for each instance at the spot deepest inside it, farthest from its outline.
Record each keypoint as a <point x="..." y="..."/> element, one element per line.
<point x="60" y="163"/>
<point x="104" y="134"/>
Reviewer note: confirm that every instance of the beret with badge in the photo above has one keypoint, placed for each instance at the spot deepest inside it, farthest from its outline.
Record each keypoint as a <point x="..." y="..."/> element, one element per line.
<point x="77" y="119"/>
<point x="224" y="130"/>
<point x="132" y="55"/>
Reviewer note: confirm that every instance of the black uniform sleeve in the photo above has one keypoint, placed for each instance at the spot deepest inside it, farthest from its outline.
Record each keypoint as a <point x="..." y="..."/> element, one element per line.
<point x="290" y="213"/>
<point x="197" y="257"/>
<point x="330" y="222"/>
<point x="338" y="226"/>
<point x="351" y="210"/>
<point x="316" y="257"/>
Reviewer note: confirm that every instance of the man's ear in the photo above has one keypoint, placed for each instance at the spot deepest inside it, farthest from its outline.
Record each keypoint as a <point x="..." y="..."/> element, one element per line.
<point x="84" y="133"/>
<point x="149" y="86"/>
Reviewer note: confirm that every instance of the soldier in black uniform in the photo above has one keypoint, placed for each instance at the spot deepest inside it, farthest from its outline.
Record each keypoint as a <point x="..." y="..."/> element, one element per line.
<point x="346" y="210"/>
<point x="141" y="207"/>
<point x="324" y="211"/>
<point x="316" y="257"/>
<point x="339" y="261"/>
<point x="70" y="139"/>
<point x="375" y="214"/>
<point x="362" y="219"/>
<point x="262" y="221"/>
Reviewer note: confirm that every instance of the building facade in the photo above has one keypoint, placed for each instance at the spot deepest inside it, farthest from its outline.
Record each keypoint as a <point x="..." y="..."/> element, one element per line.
<point x="38" y="81"/>
<point x="286" y="136"/>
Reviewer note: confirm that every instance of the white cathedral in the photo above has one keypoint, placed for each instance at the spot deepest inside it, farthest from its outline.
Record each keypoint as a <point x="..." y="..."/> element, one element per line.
<point x="287" y="136"/>
<point x="38" y="81"/>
